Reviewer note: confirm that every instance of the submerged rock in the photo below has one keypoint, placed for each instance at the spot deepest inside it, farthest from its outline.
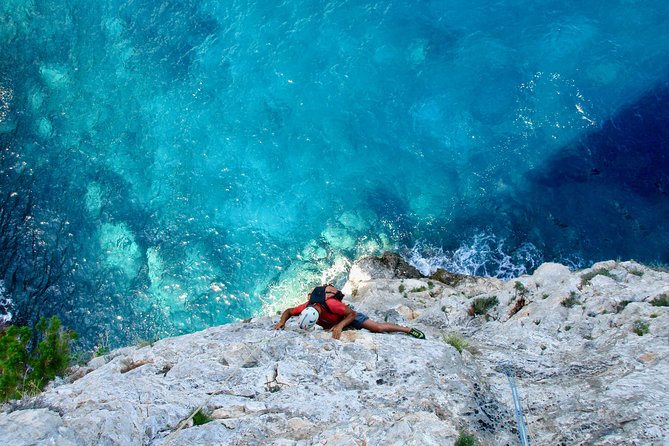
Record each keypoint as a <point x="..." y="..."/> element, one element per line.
<point x="585" y="372"/>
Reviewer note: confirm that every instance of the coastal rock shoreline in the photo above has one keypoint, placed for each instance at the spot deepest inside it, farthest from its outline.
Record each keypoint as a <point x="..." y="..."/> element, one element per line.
<point x="589" y="352"/>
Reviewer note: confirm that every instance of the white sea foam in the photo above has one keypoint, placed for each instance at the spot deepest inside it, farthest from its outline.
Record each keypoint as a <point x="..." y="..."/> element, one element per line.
<point x="574" y="261"/>
<point x="6" y="305"/>
<point x="6" y="96"/>
<point x="481" y="255"/>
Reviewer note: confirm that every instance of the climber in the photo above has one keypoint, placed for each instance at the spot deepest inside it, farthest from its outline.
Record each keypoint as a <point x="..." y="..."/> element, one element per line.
<point x="325" y="308"/>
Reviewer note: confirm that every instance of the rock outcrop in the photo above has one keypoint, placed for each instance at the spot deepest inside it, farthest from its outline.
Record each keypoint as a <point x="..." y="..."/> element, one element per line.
<point x="589" y="352"/>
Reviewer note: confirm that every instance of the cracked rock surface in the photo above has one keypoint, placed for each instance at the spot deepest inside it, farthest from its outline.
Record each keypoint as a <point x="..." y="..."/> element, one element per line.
<point x="583" y="373"/>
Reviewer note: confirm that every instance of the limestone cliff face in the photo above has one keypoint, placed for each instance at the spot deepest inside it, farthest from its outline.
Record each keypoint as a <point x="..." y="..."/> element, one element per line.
<point x="588" y="350"/>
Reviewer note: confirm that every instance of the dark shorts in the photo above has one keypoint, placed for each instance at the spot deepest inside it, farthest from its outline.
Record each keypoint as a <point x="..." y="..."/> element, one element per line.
<point x="360" y="318"/>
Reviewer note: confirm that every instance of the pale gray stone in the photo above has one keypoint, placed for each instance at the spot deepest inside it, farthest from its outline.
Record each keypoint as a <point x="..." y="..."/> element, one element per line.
<point x="584" y="376"/>
<point x="35" y="427"/>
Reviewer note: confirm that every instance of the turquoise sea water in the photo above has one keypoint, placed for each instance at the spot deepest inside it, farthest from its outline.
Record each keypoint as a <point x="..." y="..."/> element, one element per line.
<point x="171" y="165"/>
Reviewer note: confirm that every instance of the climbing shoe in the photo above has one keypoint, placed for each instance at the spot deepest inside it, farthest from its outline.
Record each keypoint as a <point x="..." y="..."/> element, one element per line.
<point x="417" y="333"/>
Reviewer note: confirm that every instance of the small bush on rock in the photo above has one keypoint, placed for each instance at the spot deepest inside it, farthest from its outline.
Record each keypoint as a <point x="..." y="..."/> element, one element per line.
<point x="661" y="301"/>
<point x="641" y="328"/>
<point x="200" y="418"/>
<point x="481" y="305"/>
<point x="456" y="341"/>
<point x="464" y="439"/>
<point x="571" y="300"/>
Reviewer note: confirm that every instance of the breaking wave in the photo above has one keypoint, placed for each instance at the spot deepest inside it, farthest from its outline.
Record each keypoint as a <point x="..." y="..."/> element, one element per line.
<point x="481" y="255"/>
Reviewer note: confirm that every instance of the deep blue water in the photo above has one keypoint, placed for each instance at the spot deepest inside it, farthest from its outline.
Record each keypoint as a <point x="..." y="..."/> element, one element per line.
<point x="173" y="165"/>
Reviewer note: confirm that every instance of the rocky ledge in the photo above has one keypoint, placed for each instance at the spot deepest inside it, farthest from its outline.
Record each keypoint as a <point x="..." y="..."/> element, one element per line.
<point x="588" y="352"/>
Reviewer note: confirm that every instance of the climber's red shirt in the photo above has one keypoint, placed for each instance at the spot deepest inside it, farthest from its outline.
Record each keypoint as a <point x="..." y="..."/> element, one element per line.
<point x="327" y="319"/>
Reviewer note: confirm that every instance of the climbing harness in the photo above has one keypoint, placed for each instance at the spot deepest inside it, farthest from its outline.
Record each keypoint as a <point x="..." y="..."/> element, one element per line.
<point x="523" y="433"/>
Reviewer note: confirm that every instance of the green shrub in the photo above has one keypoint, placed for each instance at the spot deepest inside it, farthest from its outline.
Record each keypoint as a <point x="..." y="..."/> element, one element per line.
<point x="571" y="300"/>
<point x="52" y="355"/>
<point x="464" y="439"/>
<point x="402" y="288"/>
<point x="100" y="350"/>
<point x="13" y="361"/>
<point x="456" y="341"/>
<point x="641" y="328"/>
<point x="661" y="301"/>
<point x="200" y="418"/>
<point x="419" y="289"/>
<point x="29" y="371"/>
<point x="481" y="305"/>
